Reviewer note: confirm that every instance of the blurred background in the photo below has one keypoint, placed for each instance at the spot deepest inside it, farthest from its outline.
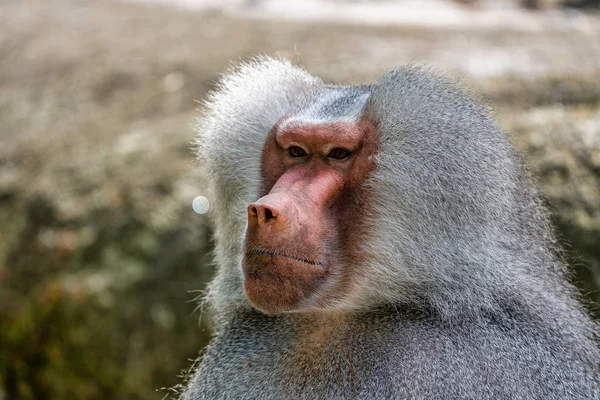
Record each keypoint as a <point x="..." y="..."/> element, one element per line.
<point x="101" y="256"/>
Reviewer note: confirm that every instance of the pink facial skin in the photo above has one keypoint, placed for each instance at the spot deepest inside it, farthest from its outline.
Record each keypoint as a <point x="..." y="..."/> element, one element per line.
<point x="301" y="229"/>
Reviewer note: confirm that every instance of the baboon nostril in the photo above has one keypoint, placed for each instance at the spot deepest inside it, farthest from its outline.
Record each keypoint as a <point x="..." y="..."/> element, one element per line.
<point x="261" y="212"/>
<point x="269" y="214"/>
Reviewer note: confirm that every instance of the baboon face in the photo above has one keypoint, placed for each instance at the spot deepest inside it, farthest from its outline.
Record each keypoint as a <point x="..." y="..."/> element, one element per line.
<point x="301" y="231"/>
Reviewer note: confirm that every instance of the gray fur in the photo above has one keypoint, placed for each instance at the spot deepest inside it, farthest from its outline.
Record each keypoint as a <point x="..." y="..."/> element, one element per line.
<point x="462" y="294"/>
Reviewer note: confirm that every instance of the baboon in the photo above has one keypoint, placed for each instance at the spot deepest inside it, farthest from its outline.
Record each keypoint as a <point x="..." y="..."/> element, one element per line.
<point x="380" y="241"/>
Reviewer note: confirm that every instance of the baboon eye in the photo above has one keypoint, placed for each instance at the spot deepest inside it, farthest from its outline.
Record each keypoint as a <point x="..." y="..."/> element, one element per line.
<point x="296" y="151"/>
<point x="339" y="154"/>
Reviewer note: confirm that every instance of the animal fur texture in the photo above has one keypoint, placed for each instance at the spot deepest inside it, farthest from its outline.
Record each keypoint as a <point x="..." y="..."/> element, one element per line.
<point x="460" y="293"/>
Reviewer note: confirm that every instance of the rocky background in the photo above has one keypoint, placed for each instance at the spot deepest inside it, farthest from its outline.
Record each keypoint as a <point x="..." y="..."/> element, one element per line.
<point x="101" y="256"/>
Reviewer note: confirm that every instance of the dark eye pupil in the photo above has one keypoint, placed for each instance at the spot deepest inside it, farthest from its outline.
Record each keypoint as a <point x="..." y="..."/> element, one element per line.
<point x="338" y="154"/>
<point x="296" y="151"/>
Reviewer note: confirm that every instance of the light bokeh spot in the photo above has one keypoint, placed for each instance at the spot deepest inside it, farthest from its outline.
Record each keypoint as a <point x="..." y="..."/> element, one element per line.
<point x="200" y="205"/>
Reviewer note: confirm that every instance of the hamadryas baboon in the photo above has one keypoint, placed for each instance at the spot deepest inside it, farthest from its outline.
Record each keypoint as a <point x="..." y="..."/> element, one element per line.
<point x="379" y="241"/>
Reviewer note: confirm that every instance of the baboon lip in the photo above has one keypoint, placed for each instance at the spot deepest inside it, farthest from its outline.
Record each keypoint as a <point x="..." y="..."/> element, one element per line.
<point x="263" y="252"/>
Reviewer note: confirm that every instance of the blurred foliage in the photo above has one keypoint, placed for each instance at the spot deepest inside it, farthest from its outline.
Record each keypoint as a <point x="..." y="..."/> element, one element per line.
<point x="94" y="306"/>
<point x="101" y="257"/>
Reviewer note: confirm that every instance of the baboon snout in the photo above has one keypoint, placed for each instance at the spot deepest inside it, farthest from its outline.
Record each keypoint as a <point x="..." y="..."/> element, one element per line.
<point x="276" y="212"/>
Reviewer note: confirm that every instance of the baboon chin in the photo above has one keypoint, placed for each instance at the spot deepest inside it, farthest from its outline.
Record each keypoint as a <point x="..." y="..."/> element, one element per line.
<point x="379" y="241"/>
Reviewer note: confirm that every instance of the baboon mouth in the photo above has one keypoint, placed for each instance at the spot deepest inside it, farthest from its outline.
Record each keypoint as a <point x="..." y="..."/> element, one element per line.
<point x="263" y="252"/>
